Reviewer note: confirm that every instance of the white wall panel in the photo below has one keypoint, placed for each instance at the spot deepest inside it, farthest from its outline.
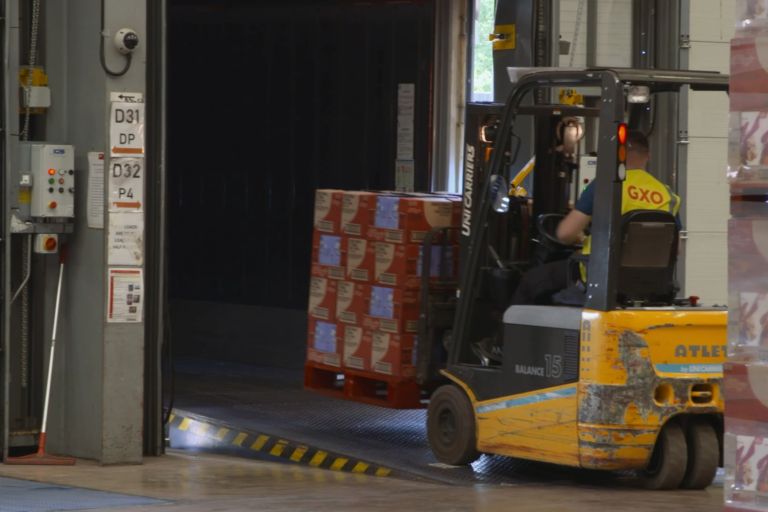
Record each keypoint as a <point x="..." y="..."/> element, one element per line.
<point x="706" y="20"/>
<point x="614" y="32"/>
<point x="709" y="56"/>
<point x="707" y="272"/>
<point x="708" y="115"/>
<point x="707" y="206"/>
<point x="708" y="200"/>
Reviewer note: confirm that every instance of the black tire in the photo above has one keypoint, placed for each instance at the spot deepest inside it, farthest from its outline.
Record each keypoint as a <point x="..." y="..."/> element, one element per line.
<point x="451" y="427"/>
<point x="669" y="460"/>
<point x="703" y="454"/>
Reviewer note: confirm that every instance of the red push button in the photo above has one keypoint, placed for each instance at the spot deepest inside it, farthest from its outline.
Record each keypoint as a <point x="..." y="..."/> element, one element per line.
<point x="52" y="205"/>
<point x="50" y="244"/>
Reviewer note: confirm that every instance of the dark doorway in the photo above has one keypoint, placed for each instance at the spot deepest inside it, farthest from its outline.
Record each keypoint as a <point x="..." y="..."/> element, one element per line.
<point x="267" y="103"/>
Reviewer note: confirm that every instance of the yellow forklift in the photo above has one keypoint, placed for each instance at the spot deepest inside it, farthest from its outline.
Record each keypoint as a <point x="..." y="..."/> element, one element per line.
<point x="617" y="373"/>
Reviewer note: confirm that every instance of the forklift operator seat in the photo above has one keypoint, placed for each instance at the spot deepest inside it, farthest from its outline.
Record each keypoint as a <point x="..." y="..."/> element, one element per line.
<point x="647" y="258"/>
<point x="649" y="241"/>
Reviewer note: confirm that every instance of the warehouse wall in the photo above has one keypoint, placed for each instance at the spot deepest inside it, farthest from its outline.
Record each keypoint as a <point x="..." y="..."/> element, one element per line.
<point x="281" y="99"/>
<point x="614" y="32"/>
<point x="706" y="205"/>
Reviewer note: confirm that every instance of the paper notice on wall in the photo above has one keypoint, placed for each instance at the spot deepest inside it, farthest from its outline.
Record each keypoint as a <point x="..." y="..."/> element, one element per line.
<point x="96" y="190"/>
<point x="404" y="171"/>
<point x="406" y="100"/>
<point x="404" y="140"/>
<point x="404" y="163"/>
<point x="126" y="239"/>
<point x="126" y="295"/>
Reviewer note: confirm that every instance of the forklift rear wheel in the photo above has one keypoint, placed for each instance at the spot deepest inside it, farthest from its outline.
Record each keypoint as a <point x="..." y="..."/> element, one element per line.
<point x="669" y="460"/>
<point x="703" y="454"/>
<point x="451" y="427"/>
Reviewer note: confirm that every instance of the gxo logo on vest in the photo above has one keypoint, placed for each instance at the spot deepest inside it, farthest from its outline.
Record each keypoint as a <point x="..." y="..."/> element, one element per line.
<point x="645" y="195"/>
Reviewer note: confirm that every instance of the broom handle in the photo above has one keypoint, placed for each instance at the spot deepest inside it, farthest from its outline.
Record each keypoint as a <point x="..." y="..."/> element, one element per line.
<point x="53" y="339"/>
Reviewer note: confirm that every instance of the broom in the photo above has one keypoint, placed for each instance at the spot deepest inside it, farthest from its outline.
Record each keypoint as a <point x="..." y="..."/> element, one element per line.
<point x="41" y="458"/>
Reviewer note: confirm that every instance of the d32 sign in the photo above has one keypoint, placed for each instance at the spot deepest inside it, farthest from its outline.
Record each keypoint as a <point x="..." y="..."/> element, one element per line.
<point x="126" y="185"/>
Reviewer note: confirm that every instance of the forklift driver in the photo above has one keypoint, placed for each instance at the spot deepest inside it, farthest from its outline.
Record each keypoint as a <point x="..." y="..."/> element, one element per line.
<point x="641" y="192"/>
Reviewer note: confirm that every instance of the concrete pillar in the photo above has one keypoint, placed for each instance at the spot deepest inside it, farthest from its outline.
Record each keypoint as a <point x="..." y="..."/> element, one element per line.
<point x="97" y="401"/>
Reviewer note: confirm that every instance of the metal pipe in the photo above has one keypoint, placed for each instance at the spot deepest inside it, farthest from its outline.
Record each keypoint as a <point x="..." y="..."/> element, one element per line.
<point x="26" y="269"/>
<point x="591" y="33"/>
<point x="590" y="128"/>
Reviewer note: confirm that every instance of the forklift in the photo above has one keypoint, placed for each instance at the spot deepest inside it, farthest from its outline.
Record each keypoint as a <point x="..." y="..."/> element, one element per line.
<point x="617" y="373"/>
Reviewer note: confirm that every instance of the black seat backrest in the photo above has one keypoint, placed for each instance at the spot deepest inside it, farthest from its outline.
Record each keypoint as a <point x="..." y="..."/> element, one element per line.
<point x="649" y="241"/>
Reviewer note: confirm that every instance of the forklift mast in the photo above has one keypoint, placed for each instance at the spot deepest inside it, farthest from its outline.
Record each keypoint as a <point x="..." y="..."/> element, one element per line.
<point x="480" y="129"/>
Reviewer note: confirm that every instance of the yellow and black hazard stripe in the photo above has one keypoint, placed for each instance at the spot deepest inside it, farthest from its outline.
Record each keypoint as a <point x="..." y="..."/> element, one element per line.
<point x="275" y="446"/>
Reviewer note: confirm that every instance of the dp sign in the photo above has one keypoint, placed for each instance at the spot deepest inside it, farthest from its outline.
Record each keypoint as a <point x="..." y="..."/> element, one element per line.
<point x="127" y="129"/>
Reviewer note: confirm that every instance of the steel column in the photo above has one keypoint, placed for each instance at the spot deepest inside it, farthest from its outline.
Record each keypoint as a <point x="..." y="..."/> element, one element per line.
<point x="606" y="231"/>
<point x="156" y="229"/>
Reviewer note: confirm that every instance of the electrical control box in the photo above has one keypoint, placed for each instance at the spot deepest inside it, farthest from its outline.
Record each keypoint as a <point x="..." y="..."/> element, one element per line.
<point x="587" y="173"/>
<point x="50" y="168"/>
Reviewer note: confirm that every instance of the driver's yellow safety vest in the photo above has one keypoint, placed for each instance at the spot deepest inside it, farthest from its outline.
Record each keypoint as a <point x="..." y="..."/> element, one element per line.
<point x="641" y="191"/>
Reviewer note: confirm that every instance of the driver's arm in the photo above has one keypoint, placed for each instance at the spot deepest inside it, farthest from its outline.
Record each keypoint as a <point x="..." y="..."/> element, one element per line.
<point x="572" y="226"/>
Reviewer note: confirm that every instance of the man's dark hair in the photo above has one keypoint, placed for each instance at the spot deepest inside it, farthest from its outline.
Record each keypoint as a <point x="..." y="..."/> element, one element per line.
<point x="637" y="142"/>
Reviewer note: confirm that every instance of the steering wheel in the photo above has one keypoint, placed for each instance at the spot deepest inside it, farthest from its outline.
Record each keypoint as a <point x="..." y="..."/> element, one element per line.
<point x="550" y="240"/>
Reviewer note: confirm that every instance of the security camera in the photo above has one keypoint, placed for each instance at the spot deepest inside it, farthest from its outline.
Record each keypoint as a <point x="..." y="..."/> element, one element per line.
<point x="126" y="41"/>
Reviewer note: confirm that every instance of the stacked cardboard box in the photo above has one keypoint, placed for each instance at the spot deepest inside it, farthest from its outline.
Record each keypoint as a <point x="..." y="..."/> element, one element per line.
<point x="368" y="259"/>
<point x="328" y="267"/>
<point x="745" y="374"/>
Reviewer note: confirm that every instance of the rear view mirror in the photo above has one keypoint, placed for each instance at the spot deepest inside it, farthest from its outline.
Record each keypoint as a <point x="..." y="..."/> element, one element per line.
<point x="638" y="94"/>
<point x="500" y="194"/>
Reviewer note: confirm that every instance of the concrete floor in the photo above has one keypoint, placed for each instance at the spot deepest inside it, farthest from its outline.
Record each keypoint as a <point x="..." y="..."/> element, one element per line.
<point x="193" y="483"/>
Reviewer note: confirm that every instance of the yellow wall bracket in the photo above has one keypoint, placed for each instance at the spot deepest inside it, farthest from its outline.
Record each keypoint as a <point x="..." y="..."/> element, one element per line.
<point x="39" y="79"/>
<point x="569" y="97"/>
<point x="503" y="37"/>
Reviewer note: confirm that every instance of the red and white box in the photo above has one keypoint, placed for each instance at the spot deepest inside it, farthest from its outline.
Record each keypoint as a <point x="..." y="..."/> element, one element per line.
<point x="393" y="310"/>
<point x="323" y="343"/>
<point x="400" y="265"/>
<point x="409" y="219"/>
<point x="328" y="259"/>
<point x="745" y="444"/>
<point x="751" y="17"/>
<point x="352" y="303"/>
<point x="328" y="211"/>
<point x="357" y="347"/>
<point x="360" y="255"/>
<point x="748" y="255"/>
<point x="458" y="208"/>
<point x="749" y="74"/>
<point x="358" y="211"/>
<point x="322" y="299"/>
<point x="392" y="354"/>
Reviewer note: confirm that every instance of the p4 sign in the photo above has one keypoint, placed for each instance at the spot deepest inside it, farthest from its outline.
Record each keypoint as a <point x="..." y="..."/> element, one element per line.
<point x="126" y="185"/>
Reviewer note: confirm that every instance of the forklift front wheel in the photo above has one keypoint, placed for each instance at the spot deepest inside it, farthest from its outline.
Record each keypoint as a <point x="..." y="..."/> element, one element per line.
<point x="703" y="454"/>
<point x="669" y="460"/>
<point x="451" y="427"/>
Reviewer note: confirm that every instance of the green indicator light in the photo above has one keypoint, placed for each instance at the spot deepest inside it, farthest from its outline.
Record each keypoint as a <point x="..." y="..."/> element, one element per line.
<point x="50" y="181"/>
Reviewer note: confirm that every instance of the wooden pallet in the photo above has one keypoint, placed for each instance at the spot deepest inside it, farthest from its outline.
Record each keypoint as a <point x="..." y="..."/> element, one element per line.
<point x="362" y="387"/>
